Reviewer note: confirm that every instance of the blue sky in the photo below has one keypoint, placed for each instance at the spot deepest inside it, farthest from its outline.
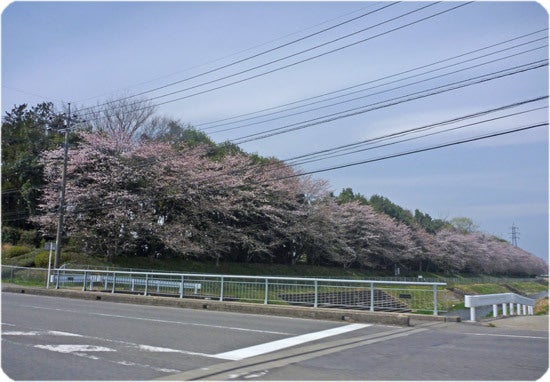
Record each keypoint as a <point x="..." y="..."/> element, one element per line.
<point x="84" y="53"/>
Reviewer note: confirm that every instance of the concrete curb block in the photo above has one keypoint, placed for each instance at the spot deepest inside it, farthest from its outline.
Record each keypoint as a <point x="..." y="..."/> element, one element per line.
<point x="401" y="319"/>
<point x="424" y="317"/>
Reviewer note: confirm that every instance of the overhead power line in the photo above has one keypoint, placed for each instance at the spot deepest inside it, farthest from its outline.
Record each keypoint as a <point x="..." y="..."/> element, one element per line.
<point x="256" y="123"/>
<point x="243" y="50"/>
<point x="217" y="69"/>
<point x="355" y="147"/>
<point x="416" y="151"/>
<point x="288" y="65"/>
<point x="391" y="102"/>
<point x="224" y="121"/>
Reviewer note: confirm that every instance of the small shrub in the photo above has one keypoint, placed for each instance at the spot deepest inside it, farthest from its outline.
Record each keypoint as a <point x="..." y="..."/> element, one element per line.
<point x="42" y="258"/>
<point x="31" y="238"/>
<point x="26" y="260"/>
<point x="15" y="251"/>
<point x="541" y="306"/>
<point x="10" y="235"/>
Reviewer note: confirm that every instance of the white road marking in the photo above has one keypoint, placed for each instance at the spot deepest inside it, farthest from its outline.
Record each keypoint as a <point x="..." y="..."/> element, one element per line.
<point x="96" y="358"/>
<point x="157" y="320"/>
<point x="269" y="347"/>
<point x="165" y="370"/>
<point x="74" y="348"/>
<point x="156" y="349"/>
<point x="506" y="335"/>
<point x="58" y="333"/>
<point x="247" y="375"/>
<point x="19" y="333"/>
<point x="79" y="348"/>
<point x="231" y="355"/>
<point x="39" y="333"/>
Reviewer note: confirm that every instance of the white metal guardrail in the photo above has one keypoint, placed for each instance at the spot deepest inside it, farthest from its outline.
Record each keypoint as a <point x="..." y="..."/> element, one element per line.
<point x="524" y="305"/>
<point x="373" y="295"/>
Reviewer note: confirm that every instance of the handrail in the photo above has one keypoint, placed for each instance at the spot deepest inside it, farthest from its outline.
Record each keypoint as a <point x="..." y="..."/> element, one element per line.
<point x="317" y="292"/>
<point x="430" y="283"/>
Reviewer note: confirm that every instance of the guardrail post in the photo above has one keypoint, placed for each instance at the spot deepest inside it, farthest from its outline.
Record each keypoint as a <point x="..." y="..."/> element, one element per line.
<point x="221" y="288"/>
<point x="182" y="286"/>
<point x="316" y="297"/>
<point x="495" y="310"/>
<point x="518" y="309"/>
<point x="114" y="282"/>
<point x="472" y="313"/>
<point x="372" y="297"/>
<point x="146" y="284"/>
<point x="266" y="291"/>
<point x="530" y="310"/>
<point x="524" y="309"/>
<point x="511" y="309"/>
<point x="84" y="282"/>
<point x="504" y="309"/>
<point x="11" y="275"/>
<point x="435" y="299"/>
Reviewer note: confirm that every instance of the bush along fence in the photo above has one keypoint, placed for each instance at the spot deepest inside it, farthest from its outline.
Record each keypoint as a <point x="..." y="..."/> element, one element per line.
<point x="371" y="295"/>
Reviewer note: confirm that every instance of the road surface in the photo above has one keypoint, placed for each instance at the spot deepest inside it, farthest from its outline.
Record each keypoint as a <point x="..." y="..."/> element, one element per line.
<point x="52" y="338"/>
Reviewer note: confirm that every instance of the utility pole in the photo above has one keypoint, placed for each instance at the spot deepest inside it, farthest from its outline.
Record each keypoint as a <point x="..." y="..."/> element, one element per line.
<point x="515" y="235"/>
<point x="61" y="210"/>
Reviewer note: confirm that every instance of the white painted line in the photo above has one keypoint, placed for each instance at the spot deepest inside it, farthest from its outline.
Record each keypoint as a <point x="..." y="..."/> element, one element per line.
<point x="74" y="348"/>
<point x="165" y="370"/>
<point x="39" y="333"/>
<point x="19" y="333"/>
<point x="269" y="347"/>
<point x="57" y="333"/>
<point x="158" y="320"/>
<point x="506" y="335"/>
<point x="156" y="349"/>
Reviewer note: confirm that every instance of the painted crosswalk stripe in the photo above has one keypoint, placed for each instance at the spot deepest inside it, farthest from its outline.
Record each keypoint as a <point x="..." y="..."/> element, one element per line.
<point x="269" y="347"/>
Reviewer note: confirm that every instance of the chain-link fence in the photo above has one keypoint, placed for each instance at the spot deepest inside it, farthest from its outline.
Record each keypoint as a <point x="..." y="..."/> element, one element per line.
<point x="24" y="275"/>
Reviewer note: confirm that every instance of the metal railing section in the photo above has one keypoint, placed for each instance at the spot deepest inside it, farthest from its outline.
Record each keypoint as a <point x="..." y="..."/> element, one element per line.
<point x="372" y="295"/>
<point x="524" y="305"/>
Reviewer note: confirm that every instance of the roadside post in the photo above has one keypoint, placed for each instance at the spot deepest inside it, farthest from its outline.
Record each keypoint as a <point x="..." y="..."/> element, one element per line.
<point x="51" y="246"/>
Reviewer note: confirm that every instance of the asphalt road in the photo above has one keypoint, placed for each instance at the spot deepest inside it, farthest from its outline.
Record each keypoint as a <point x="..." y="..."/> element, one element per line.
<point x="51" y="338"/>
